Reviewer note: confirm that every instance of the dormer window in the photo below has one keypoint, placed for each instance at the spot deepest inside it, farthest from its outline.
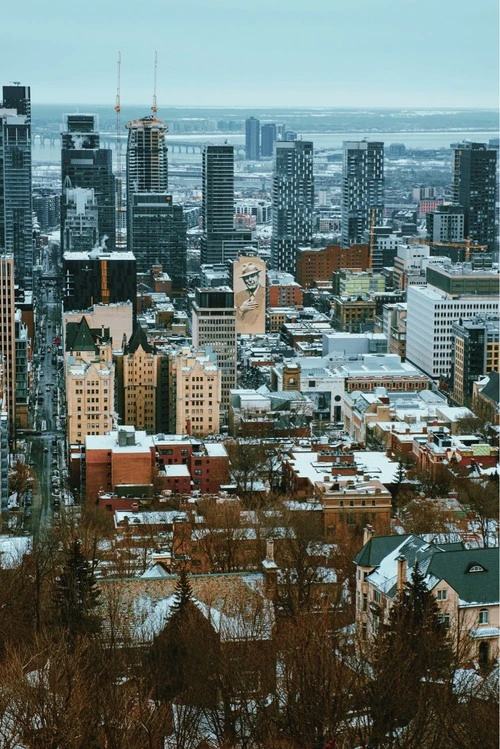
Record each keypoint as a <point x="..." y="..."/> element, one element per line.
<point x="474" y="567"/>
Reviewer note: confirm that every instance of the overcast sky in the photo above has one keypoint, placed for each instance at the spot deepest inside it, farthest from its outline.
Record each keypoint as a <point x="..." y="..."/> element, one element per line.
<point x="408" y="53"/>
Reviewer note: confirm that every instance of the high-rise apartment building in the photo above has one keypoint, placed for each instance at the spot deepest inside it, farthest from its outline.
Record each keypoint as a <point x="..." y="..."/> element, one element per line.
<point x="195" y="392"/>
<point x="475" y="352"/>
<point x="252" y="138"/>
<point x="217" y="174"/>
<point x="446" y="224"/>
<point x="292" y="202"/>
<point x="90" y="381"/>
<point x="158" y="235"/>
<point x="474" y="188"/>
<point x="86" y="165"/>
<point x="268" y="136"/>
<point x="147" y="162"/>
<point x="7" y="338"/>
<point x="214" y="323"/>
<point x="16" y="207"/>
<point x="138" y="383"/>
<point x="22" y="371"/>
<point x="362" y="189"/>
<point x="156" y="228"/>
<point x="81" y="224"/>
<point x="220" y="241"/>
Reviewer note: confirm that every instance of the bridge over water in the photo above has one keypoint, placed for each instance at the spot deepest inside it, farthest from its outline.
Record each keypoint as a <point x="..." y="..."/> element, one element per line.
<point x="50" y="139"/>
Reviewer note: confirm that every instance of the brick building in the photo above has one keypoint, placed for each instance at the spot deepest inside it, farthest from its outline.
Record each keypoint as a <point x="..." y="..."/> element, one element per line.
<point x="319" y="264"/>
<point x="133" y="463"/>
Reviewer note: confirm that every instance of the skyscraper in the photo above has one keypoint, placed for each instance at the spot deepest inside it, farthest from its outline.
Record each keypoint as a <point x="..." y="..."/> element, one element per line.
<point x="267" y="139"/>
<point x="214" y="323"/>
<point x="474" y="188"/>
<point x="147" y="156"/>
<point x="16" y="208"/>
<point x="81" y="224"/>
<point x="362" y="189"/>
<point x="85" y="164"/>
<point x="220" y="241"/>
<point x="252" y="138"/>
<point x="158" y="235"/>
<point x="7" y="339"/>
<point x="156" y="228"/>
<point x="218" y="189"/>
<point x="292" y="202"/>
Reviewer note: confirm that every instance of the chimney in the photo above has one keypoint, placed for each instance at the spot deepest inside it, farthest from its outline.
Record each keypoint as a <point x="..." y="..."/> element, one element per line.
<point x="402" y="565"/>
<point x="368" y="533"/>
<point x="270" y="572"/>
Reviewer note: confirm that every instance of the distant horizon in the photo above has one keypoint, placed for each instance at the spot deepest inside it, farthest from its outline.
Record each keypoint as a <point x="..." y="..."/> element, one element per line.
<point x="250" y="107"/>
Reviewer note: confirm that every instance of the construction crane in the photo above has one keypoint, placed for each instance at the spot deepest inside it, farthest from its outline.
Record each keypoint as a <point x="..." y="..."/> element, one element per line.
<point x="119" y="204"/>
<point x="467" y="246"/>
<point x="154" y="108"/>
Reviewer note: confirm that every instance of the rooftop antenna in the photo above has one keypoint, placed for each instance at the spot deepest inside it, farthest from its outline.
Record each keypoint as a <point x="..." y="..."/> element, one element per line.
<point x="154" y="108"/>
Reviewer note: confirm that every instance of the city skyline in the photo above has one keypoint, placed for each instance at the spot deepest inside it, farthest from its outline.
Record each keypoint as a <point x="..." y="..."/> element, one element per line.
<point x="324" y="55"/>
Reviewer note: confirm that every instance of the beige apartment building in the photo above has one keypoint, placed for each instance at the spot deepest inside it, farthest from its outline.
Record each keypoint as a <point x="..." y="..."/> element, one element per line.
<point x="194" y="392"/>
<point x="90" y="382"/>
<point x="138" y="375"/>
<point x="117" y="317"/>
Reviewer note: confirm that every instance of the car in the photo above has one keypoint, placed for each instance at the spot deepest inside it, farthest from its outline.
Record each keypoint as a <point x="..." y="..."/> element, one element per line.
<point x="46" y="449"/>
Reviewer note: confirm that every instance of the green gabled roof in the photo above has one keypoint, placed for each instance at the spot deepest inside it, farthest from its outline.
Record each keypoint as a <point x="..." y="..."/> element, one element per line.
<point x="79" y="336"/>
<point x="492" y="387"/>
<point x="472" y="587"/>
<point x="138" y="338"/>
<point x="377" y="548"/>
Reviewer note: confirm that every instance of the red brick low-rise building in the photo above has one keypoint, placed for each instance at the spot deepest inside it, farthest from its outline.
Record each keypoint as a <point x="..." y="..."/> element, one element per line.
<point x="319" y="264"/>
<point x="146" y="464"/>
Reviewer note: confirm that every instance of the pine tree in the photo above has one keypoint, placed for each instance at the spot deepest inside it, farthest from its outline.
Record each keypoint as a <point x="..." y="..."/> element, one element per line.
<point x="178" y="661"/>
<point x="413" y="652"/>
<point x="183" y="592"/>
<point x="76" y="595"/>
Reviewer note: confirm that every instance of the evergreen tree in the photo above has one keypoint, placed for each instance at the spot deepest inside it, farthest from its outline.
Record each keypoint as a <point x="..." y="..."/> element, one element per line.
<point x="180" y="658"/>
<point x="412" y="653"/>
<point x="76" y="595"/>
<point x="183" y="592"/>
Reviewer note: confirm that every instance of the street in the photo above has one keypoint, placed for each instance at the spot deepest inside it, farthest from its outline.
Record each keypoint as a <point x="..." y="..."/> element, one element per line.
<point x="45" y="440"/>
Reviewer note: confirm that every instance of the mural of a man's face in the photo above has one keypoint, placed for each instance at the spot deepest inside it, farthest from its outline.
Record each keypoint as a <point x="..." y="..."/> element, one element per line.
<point x="251" y="281"/>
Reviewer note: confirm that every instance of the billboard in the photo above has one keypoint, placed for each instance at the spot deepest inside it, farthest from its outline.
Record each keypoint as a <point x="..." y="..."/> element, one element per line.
<point x="249" y="285"/>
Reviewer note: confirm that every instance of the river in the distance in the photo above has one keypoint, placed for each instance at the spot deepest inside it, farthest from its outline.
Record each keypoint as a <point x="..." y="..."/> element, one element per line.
<point x="322" y="141"/>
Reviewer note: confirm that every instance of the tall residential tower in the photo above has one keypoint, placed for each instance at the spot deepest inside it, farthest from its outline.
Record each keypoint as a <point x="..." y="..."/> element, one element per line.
<point x="362" y="189"/>
<point x="292" y="202"/>
<point x="252" y="138"/>
<point x="474" y="188"/>
<point x="156" y="228"/>
<point x="84" y="164"/>
<point x="220" y="241"/>
<point x="16" y="207"/>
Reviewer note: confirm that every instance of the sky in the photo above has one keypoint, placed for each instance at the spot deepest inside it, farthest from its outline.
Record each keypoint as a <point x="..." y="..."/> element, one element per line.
<point x="257" y="53"/>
